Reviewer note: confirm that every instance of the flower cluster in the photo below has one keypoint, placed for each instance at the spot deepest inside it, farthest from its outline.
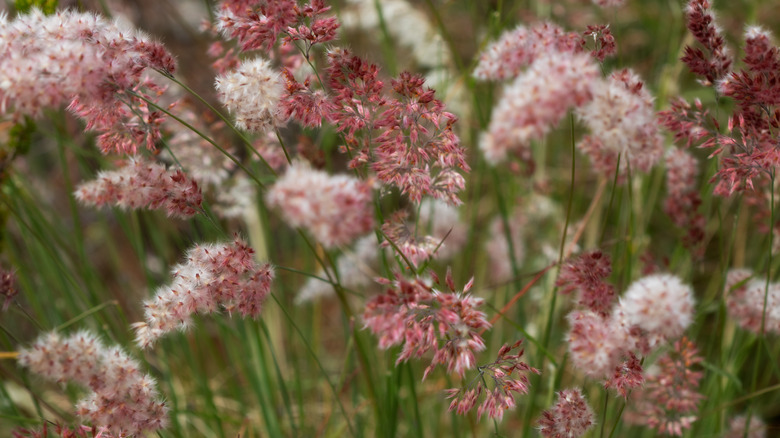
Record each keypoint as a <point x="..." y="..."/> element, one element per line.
<point x="520" y="47"/>
<point x="586" y="274"/>
<point x="716" y="63"/>
<point x="85" y="62"/>
<point x="509" y="377"/>
<point x="571" y="416"/>
<point x="745" y="301"/>
<point x="416" y="148"/>
<point x="142" y="184"/>
<point x="252" y="92"/>
<point x="603" y="41"/>
<point x="660" y="305"/>
<point x="622" y="124"/>
<point x="213" y="276"/>
<point x="748" y="148"/>
<point x="669" y="401"/>
<point x="123" y="399"/>
<point x="258" y="24"/>
<point x="423" y="319"/>
<point x="536" y="101"/>
<point x="335" y="209"/>
<point x="654" y="309"/>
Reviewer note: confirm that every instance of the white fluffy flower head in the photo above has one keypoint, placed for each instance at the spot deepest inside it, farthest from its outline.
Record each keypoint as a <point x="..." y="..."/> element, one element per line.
<point x="252" y="93"/>
<point x="659" y="304"/>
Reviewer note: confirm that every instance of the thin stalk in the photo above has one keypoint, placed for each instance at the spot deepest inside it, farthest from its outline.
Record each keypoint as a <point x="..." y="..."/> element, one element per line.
<point x="220" y="115"/>
<point x="318" y="363"/>
<point x="205" y="137"/>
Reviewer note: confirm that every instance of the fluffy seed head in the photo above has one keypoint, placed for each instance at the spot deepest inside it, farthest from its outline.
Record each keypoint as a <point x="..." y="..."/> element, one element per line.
<point x="252" y="93"/>
<point x="660" y="304"/>
<point x="335" y="209"/>
<point x="570" y="417"/>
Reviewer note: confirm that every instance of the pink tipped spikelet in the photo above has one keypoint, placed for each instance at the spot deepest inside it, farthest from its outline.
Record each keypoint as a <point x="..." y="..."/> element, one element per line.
<point x="259" y="24"/>
<point x="213" y="276"/>
<point x="418" y="150"/>
<point x="669" y="401"/>
<point x="141" y="184"/>
<point x="508" y="375"/>
<point x="252" y="93"/>
<point x="85" y="62"/>
<point x="123" y="399"/>
<point x="571" y="416"/>
<point x="518" y="48"/>
<point x="622" y="123"/>
<point x="715" y="64"/>
<point x="659" y="304"/>
<point x="408" y="139"/>
<point x="586" y="274"/>
<point x="627" y="376"/>
<point x="745" y="301"/>
<point x="603" y="41"/>
<point x="335" y="209"/>
<point x="421" y="318"/>
<point x="536" y="101"/>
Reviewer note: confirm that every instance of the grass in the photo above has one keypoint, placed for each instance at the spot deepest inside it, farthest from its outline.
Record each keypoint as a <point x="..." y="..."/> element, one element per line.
<point x="312" y="370"/>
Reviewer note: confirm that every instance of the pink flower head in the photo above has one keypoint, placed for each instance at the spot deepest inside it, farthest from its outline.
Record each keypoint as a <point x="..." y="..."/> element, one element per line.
<point x="536" y="101"/>
<point x="603" y="41"/>
<point x="571" y="416"/>
<point x="252" y="93"/>
<point x="659" y="304"/>
<point x="335" y="209"/>
<point x="627" y="376"/>
<point x="123" y="399"/>
<point x="595" y="343"/>
<point x="141" y="184"/>
<point x="421" y="318"/>
<point x="670" y="398"/>
<point x="418" y="150"/>
<point x="622" y="123"/>
<point x="716" y="63"/>
<point x="213" y="276"/>
<point x="258" y="24"/>
<point x="518" y="48"/>
<point x="745" y="301"/>
<point x="87" y="63"/>
<point x="586" y="274"/>
<point x="509" y="377"/>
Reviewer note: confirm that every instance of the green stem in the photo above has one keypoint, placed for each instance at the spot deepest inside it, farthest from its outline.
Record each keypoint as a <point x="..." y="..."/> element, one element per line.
<point x="220" y="115"/>
<point x="203" y="136"/>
